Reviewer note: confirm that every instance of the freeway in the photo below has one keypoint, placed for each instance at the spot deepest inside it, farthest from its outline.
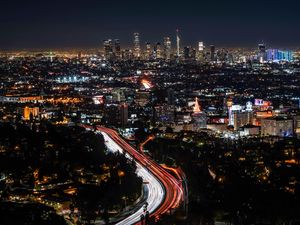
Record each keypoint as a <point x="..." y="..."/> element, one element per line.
<point x="165" y="191"/>
<point x="155" y="189"/>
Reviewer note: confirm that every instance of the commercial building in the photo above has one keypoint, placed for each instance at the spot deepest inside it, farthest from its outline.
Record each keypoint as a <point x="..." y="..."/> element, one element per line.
<point x="136" y="46"/>
<point x="108" y="49"/>
<point x="274" y="55"/>
<point x="262" y="53"/>
<point x="277" y="126"/>
<point x="118" y="53"/>
<point x="240" y="115"/>
<point x="148" y="53"/>
<point x="167" y="48"/>
<point x="199" y="118"/>
<point x="30" y="112"/>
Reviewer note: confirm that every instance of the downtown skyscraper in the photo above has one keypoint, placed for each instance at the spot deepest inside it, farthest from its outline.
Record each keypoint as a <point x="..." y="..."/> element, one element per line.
<point x="167" y="48"/>
<point x="177" y="44"/>
<point x="108" y="49"/>
<point x="136" y="45"/>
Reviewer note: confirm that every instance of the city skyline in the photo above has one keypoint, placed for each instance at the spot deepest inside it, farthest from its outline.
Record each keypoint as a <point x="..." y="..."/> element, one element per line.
<point x="150" y="112"/>
<point x="76" y="24"/>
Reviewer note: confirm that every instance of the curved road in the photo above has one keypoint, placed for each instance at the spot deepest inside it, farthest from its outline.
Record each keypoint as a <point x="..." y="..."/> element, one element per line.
<point x="165" y="191"/>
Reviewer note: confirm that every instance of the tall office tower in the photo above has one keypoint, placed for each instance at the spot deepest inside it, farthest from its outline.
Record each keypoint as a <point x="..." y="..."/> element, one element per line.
<point x="212" y="53"/>
<point x="167" y="48"/>
<point x="118" y="53"/>
<point x="157" y="51"/>
<point x="200" y="53"/>
<point x="200" y="46"/>
<point x="108" y="49"/>
<point x="262" y="52"/>
<point x="136" y="46"/>
<point x="231" y="110"/>
<point x="222" y="55"/>
<point x="123" y="114"/>
<point x="148" y="53"/>
<point x="177" y="44"/>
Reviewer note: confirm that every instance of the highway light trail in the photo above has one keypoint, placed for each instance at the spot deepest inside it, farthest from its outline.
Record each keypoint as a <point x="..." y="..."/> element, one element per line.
<point x="155" y="188"/>
<point x="165" y="191"/>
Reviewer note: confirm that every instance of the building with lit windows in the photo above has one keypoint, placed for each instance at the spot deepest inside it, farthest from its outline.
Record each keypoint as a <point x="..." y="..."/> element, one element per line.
<point x="274" y="55"/>
<point x="148" y="52"/>
<point x="262" y="53"/>
<point x="136" y="46"/>
<point x="157" y="53"/>
<point x="200" y="52"/>
<point x="201" y="46"/>
<point x="118" y="53"/>
<point x="108" y="49"/>
<point x="297" y="125"/>
<point x="277" y="126"/>
<point x="167" y="48"/>
<point x="164" y="113"/>
<point x="30" y="112"/>
<point x="199" y="118"/>
<point x="240" y="115"/>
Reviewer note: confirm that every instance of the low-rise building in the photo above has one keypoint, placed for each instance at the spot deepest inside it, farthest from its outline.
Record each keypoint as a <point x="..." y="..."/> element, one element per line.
<point x="277" y="126"/>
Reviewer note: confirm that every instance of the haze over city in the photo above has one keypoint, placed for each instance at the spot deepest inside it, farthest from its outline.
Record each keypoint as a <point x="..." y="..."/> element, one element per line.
<point x="84" y="24"/>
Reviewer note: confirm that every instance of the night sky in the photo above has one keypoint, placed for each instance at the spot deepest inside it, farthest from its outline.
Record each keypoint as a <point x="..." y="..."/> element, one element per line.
<point x="35" y="24"/>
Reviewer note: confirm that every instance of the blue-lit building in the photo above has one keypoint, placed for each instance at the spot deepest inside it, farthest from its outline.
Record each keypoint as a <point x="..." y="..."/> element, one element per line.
<point x="279" y="55"/>
<point x="71" y="79"/>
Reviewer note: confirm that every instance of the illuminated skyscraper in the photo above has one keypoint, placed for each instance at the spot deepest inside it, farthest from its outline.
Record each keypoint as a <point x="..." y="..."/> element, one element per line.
<point x="157" y="51"/>
<point x="167" y="48"/>
<point x="200" y="53"/>
<point x="136" y="46"/>
<point x="178" y="43"/>
<point x="200" y="46"/>
<point x="108" y="49"/>
<point x="117" y="49"/>
<point x="262" y="52"/>
<point x="148" y="52"/>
